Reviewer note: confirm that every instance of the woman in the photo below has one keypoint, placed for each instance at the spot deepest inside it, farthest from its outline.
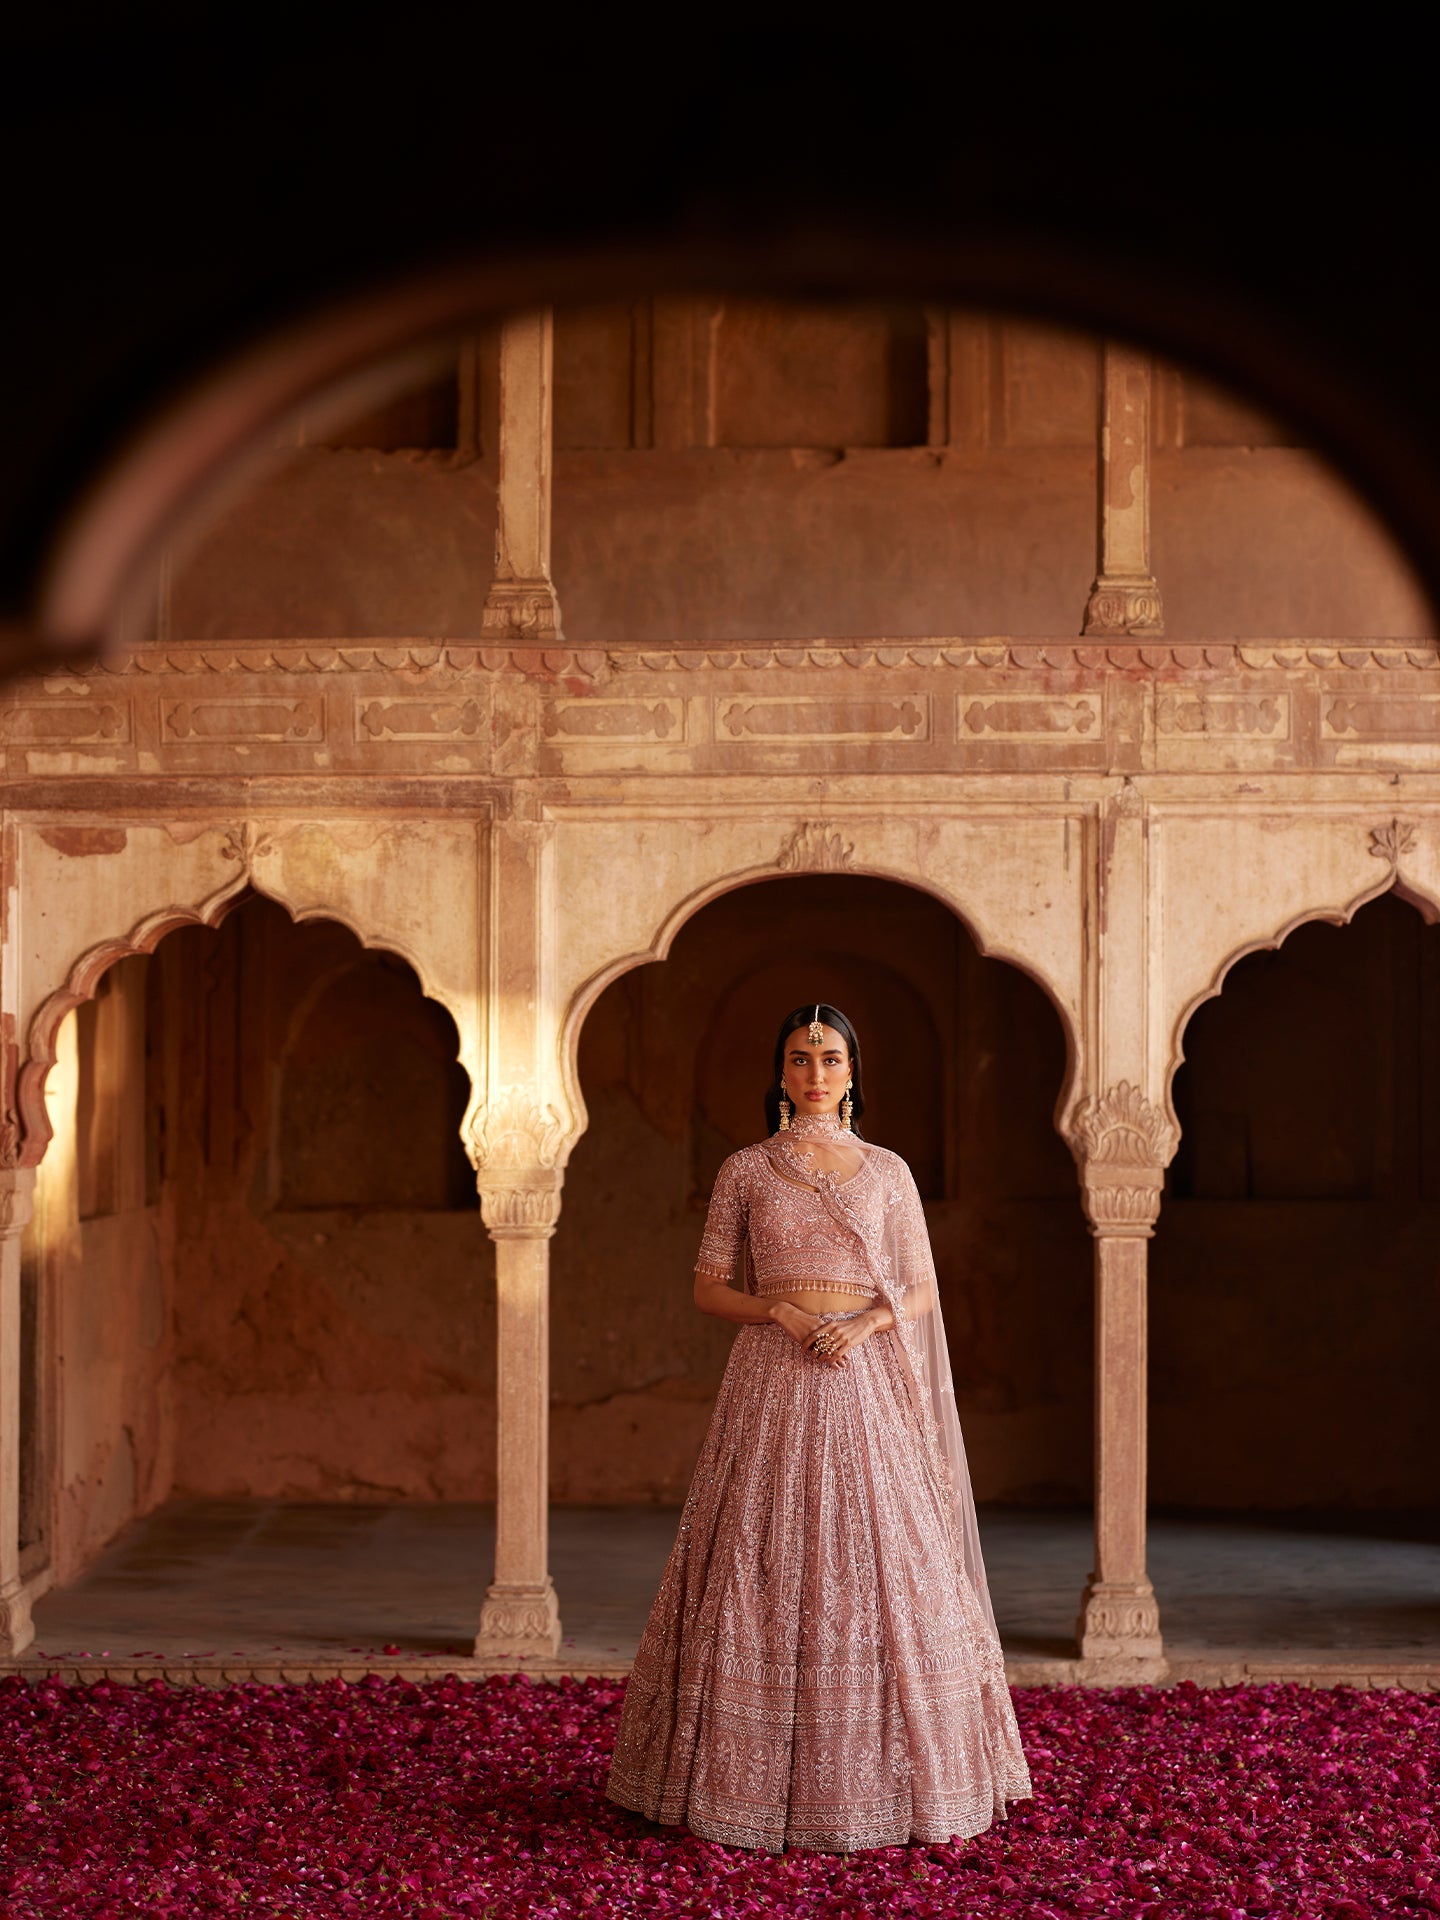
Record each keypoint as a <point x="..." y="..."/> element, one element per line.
<point x="820" y="1668"/>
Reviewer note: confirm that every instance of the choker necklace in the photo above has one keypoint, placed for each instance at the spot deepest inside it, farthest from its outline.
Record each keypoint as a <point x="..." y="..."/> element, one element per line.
<point x="816" y="1123"/>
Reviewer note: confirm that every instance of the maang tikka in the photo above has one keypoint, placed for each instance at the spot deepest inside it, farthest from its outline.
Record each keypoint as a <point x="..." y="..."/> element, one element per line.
<point x="817" y="1029"/>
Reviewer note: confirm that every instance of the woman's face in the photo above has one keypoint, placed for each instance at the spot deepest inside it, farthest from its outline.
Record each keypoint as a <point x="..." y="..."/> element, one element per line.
<point x="816" y="1077"/>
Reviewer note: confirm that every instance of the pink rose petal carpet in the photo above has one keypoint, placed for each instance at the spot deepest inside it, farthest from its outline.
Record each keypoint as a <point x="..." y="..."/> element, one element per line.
<point x="485" y="1799"/>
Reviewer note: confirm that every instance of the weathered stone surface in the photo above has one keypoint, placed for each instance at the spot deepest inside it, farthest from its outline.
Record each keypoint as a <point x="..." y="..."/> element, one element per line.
<point x="784" y="662"/>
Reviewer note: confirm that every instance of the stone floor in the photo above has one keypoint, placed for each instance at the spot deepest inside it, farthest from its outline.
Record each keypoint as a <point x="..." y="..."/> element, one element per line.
<point x="235" y="1589"/>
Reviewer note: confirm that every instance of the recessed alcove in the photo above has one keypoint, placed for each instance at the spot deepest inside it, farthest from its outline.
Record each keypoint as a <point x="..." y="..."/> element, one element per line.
<point x="256" y="1267"/>
<point x="1293" y="1304"/>
<point x="964" y="1060"/>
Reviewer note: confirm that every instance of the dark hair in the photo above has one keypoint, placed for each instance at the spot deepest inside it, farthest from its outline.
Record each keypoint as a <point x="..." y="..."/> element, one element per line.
<point x="801" y="1017"/>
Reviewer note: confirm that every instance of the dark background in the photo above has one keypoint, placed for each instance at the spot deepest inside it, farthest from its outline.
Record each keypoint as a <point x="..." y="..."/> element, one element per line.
<point x="175" y="186"/>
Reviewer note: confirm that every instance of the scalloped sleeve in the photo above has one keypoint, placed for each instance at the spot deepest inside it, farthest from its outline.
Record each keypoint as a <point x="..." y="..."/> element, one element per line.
<point x="727" y="1221"/>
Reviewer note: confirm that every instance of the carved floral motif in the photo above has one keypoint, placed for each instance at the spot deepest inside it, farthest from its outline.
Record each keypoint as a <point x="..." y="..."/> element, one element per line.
<point x="246" y="844"/>
<point x="513" y="1130"/>
<point x="814" y="848"/>
<point x="516" y="1143"/>
<point x="1123" y="1143"/>
<point x="1393" y="842"/>
<point x="1120" y="1127"/>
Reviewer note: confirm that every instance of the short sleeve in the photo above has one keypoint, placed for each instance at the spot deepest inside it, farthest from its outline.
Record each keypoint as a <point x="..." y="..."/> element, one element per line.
<point x="726" y="1222"/>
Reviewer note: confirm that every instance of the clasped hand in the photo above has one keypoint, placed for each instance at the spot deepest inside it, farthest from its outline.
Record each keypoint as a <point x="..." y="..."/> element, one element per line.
<point x="837" y="1336"/>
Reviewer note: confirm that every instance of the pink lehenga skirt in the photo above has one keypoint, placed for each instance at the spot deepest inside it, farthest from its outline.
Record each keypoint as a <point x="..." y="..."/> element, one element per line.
<point x="816" y="1670"/>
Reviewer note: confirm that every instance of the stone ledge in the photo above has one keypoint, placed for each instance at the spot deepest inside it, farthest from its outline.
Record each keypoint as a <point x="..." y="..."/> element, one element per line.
<point x="412" y="656"/>
<point x="1355" y="1669"/>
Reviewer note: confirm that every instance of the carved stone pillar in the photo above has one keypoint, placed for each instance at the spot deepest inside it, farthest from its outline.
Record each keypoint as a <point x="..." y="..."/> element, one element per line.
<point x="520" y="1201"/>
<point x="521" y="604"/>
<point x="1122" y="1143"/>
<point x="17" y="1198"/>
<point x="1125" y="597"/>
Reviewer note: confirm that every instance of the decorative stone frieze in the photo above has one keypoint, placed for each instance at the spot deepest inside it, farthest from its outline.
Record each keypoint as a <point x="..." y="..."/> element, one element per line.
<point x="65" y="722"/>
<point x="228" y="722"/>
<point x="417" y="719"/>
<point x="1261" y="717"/>
<point x="1028" y="717"/>
<point x="1146" y="657"/>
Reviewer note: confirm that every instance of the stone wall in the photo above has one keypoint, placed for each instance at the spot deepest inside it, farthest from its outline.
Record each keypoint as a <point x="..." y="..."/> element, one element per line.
<point x="743" y="473"/>
<point x="331" y="1281"/>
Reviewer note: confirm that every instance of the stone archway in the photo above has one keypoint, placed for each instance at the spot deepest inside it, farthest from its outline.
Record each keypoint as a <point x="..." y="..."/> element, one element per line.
<point x="85" y="899"/>
<point x="1293" y="1300"/>
<point x="258" y="1170"/>
<point x="965" y="1063"/>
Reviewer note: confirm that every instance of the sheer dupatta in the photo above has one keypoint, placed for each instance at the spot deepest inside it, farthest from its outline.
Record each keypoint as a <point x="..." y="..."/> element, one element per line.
<point x="888" y="1221"/>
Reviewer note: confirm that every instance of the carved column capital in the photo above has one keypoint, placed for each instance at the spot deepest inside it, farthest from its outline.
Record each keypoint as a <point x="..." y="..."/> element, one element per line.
<point x="521" y="1204"/>
<point x="515" y="1143"/>
<point x="1123" y="1143"/>
<point x="525" y="610"/>
<point x="17" y="1199"/>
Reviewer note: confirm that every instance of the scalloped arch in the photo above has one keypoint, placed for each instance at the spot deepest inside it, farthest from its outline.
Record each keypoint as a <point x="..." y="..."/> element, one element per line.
<point x="33" y="1132"/>
<point x="685" y="910"/>
<point x="1426" y="904"/>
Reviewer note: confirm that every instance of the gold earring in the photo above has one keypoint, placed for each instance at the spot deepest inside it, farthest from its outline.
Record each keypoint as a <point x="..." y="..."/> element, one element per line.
<point x="784" y="1110"/>
<point x="847" y="1107"/>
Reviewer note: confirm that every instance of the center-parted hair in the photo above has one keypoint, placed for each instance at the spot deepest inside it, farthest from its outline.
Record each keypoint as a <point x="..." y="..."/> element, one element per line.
<point x="801" y="1017"/>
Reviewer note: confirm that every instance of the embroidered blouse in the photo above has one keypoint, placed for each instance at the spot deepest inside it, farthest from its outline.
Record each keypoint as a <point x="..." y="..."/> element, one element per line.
<point x="793" y="1237"/>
